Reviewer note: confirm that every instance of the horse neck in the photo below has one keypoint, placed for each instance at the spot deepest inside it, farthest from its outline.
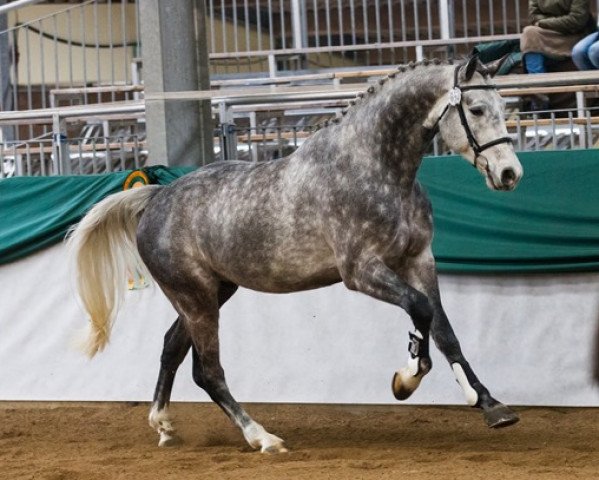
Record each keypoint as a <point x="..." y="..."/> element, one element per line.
<point x="387" y="123"/>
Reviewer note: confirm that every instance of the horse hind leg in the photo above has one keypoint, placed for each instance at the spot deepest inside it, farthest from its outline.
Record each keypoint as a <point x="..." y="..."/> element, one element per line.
<point x="201" y="319"/>
<point x="253" y="432"/>
<point x="177" y="343"/>
<point x="209" y="375"/>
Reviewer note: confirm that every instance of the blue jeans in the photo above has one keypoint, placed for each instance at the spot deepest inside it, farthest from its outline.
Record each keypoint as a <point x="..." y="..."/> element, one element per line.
<point x="585" y="53"/>
<point x="535" y="62"/>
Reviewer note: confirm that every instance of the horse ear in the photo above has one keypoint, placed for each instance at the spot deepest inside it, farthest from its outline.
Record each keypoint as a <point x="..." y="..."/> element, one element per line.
<point x="471" y="67"/>
<point x="494" y="66"/>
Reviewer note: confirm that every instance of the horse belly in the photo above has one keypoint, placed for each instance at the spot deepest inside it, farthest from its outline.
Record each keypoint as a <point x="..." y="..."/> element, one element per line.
<point x="284" y="273"/>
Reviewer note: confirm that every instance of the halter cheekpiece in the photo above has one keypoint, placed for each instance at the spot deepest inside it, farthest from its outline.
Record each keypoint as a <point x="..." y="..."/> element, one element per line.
<point x="455" y="100"/>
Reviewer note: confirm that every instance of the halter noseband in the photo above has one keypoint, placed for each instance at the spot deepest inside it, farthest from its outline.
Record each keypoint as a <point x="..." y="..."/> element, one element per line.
<point x="455" y="100"/>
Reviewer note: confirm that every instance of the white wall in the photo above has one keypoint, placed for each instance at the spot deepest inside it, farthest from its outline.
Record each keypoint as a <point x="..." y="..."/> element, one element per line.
<point x="528" y="338"/>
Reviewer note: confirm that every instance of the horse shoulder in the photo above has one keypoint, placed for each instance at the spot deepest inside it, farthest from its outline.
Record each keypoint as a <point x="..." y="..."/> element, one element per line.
<point x="422" y="203"/>
<point x="420" y="223"/>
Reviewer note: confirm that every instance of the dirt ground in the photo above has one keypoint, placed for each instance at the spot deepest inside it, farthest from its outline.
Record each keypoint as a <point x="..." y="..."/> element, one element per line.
<point x="111" y="441"/>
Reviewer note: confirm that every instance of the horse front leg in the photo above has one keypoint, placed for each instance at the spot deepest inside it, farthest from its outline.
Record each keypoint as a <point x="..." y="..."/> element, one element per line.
<point x="374" y="278"/>
<point x="422" y="275"/>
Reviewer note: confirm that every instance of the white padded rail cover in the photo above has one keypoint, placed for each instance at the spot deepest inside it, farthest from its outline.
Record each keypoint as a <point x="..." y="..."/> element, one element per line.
<point x="528" y="338"/>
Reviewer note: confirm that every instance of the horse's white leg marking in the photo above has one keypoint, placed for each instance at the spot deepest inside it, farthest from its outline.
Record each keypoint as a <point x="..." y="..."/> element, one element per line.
<point x="160" y="420"/>
<point x="469" y="392"/>
<point x="258" y="437"/>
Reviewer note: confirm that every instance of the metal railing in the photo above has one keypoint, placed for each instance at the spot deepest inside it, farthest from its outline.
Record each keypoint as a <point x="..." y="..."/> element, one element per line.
<point x="275" y="35"/>
<point x="89" y="53"/>
<point x="530" y="131"/>
<point x="76" y="156"/>
<point x="297" y="34"/>
<point x="94" y="44"/>
<point x="88" y="44"/>
<point x="98" y="43"/>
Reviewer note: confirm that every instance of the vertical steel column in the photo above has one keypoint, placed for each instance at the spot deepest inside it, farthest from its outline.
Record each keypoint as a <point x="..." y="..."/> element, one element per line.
<point x="205" y="130"/>
<point x="60" y="146"/>
<point x="253" y="128"/>
<point x="175" y="59"/>
<point x="580" y="111"/>
<point x="296" y="25"/>
<point x="446" y="23"/>
<point x="228" y="133"/>
<point x="6" y="88"/>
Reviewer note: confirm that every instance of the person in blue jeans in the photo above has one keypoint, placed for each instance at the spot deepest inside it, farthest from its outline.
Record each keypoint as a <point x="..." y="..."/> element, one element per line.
<point x="585" y="53"/>
<point x="555" y="27"/>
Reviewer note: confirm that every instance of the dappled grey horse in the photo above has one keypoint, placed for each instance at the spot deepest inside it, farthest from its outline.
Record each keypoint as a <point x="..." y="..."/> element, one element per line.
<point x="345" y="206"/>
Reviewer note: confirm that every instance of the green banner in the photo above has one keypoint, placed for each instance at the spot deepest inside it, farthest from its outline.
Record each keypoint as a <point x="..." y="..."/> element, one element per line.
<point x="550" y="223"/>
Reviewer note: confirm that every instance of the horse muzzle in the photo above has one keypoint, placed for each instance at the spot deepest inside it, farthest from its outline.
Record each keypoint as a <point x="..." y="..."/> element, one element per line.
<point x="509" y="178"/>
<point x="504" y="177"/>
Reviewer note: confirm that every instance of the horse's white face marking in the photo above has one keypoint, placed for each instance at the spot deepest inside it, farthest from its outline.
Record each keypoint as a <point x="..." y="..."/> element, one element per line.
<point x="469" y="392"/>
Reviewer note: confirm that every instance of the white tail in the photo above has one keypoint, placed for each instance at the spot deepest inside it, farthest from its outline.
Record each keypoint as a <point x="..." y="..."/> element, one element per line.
<point x="105" y="249"/>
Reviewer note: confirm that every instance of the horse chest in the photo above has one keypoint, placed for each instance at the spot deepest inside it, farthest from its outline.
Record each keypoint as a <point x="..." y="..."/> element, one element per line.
<point x="419" y="237"/>
<point x="414" y="234"/>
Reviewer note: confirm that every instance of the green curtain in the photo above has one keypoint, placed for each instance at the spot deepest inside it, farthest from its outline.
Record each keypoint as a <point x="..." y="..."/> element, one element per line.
<point x="36" y="212"/>
<point x="550" y="223"/>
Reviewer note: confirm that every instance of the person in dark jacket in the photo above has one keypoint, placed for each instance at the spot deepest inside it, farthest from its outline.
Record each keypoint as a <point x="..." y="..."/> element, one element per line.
<point x="556" y="26"/>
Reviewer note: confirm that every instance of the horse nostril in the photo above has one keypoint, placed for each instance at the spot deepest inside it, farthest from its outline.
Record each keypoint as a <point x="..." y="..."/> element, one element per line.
<point x="508" y="177"/>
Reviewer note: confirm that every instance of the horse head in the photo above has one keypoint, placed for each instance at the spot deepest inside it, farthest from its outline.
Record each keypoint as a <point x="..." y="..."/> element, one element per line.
<point x="470" y="118"/>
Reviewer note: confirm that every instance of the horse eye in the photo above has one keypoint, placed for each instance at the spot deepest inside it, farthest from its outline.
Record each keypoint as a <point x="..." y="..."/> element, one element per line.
<point x="477" y="111"/>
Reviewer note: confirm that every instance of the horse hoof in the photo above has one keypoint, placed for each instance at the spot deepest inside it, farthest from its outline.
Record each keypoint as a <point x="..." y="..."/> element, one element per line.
<point x="169" y="440"/>
<point x="404" y="383"/>
<point x="272" y="444"/>
<point x="273" y="449"/>
<point x="500" y="416"/>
